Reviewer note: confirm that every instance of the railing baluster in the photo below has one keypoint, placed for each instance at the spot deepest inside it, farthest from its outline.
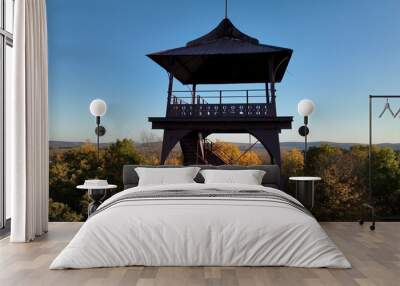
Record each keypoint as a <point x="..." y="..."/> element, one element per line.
<point x="220" y="102"/>
<point x="247" y="102"/>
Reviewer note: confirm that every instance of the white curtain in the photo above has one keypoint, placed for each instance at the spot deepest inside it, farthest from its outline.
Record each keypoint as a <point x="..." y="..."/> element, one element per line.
<point x="26" y="127"/>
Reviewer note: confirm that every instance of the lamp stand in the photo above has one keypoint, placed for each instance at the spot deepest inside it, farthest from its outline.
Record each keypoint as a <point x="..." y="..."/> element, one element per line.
<point x="303" y="131"/>
<point x="98" y="138"/>
<point x="305" y="140"/>
<point x="100" y="131"/>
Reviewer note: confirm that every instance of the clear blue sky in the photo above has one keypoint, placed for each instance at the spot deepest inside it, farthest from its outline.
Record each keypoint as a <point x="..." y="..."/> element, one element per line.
<point x="343" y="51"/>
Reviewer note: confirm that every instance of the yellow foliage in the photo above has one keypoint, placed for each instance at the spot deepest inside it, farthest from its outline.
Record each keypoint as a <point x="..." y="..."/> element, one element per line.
<point x="226" y="150"/>
<point x="232" y="154"/>
<point x="174" y="160"/>
<point x="292" y="162"/>
<point x="249" y="158"/>
<point x="88" y="147"/>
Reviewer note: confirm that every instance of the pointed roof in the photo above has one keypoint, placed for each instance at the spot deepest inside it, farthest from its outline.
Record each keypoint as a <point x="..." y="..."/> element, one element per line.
<point x="225" y="29"/>
<point x="225" y="55"/>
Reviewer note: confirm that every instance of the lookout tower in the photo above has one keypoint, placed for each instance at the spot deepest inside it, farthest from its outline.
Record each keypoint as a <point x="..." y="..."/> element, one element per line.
<point x="223" y="56"/>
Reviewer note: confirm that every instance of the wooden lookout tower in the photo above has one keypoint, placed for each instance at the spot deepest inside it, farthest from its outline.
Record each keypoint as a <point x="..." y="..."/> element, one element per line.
<point x="223" y="56"/>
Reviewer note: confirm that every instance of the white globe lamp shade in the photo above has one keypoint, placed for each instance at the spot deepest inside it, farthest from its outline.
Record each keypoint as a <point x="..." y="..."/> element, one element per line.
<point x="305" y="107"/>
<point x="98" y="107"/>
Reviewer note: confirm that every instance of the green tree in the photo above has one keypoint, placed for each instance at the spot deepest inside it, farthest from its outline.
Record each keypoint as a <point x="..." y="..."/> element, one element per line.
<point x="338" y="196"/>
<point x="118" y="154"/>
<point x="69" y="168"/>
<point x="386" y="181"/>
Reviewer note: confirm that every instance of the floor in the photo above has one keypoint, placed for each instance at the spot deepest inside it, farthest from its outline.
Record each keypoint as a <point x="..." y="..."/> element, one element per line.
<point x="375" y="257"/>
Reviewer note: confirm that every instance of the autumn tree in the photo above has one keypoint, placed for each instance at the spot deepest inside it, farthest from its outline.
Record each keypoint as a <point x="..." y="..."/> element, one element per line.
<point x="292" y="165"/>
<point x="340" y="193"/>
<point x="62" y="212"/>
<point x="73" y="166"/>
<point x="150" y="146"/>
<point x="343" y="188"/>
<point x="231" y="153"/>
<point x="174" y="158"/>
<point x="69" y="169"/>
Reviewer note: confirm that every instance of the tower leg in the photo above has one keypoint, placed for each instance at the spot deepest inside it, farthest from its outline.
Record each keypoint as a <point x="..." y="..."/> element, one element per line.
<point x="191" y="148"/>
<point x="170" y="139"/>
<point x="270" y="140"/>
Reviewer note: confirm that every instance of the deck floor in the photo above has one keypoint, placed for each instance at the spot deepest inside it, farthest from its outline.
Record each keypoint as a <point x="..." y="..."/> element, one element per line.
<point x="375" y="257"/>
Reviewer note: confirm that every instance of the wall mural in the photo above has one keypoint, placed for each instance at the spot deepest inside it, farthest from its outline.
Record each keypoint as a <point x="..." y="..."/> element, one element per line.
<point x="215" y="95"/>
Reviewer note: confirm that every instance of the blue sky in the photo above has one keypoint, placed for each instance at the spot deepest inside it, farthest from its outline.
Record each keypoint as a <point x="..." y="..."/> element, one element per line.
<point x="343" y="51"/>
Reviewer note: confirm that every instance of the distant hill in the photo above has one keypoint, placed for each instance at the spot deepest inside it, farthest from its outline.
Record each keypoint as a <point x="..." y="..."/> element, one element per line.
<point x="243" y="146"/>
<point x="68" y="144"/>
<point x="300" y="145"/>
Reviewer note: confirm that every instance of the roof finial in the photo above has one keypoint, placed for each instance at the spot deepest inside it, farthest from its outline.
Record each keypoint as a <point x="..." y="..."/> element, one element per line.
<point x="226" y="9"/>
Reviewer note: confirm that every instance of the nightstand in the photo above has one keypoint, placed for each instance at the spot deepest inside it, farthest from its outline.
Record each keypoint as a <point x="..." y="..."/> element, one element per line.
<point x="305" y="190"/>
<point x="96" y="194"/>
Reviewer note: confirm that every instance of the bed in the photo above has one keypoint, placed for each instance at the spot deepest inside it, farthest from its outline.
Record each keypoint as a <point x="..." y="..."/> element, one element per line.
<point x="201" y="224"/>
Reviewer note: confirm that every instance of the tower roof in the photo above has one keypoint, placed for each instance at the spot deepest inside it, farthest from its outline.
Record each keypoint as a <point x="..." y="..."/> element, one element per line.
<point x="225" y="55"/>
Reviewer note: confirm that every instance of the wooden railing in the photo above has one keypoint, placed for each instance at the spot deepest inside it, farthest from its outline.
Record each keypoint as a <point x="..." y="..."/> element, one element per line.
<point x="222" y="103"/>
<point x="218" y="151"/>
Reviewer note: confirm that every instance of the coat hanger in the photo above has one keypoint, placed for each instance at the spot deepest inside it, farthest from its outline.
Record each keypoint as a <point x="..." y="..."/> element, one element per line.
<point x="397" y="113"/>
<point x="387" y="107"/>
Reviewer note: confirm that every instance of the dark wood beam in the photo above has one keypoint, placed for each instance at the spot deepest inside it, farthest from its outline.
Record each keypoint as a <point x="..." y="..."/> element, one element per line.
<point x="225" y="125"/>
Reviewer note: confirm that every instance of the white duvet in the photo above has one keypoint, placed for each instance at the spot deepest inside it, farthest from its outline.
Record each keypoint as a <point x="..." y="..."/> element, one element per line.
<point x="193" y="231"/>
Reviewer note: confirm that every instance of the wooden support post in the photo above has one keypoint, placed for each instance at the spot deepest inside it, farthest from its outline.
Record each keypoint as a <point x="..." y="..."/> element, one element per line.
<point x="270" y="140"/>
<point x="170" y="139"/>
<point x="272" y="82"/>
<point x="267" y="92"/>
<point x="170" y="84"/>
<point x="169" y="92"/>
<point x="247" y="102"/>
<point x="273" y="97"/>
<point x="220" y="102"/>
<point x="194" y="94"/>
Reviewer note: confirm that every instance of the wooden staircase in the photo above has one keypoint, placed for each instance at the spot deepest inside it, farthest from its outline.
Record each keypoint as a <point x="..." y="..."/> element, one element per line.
<point x="214" y="155"/>
<point x="202" y="151"/>
<point x="212" y="158"/>
<point x="197" y="150"/>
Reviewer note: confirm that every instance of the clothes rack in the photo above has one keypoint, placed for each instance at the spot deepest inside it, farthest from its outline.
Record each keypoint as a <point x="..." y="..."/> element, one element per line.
<point x="369" y="204"/>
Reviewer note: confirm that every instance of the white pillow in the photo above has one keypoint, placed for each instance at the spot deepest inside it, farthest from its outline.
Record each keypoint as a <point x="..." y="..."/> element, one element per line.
<point x="248" y="177"/>
<point x="166" y="176"/>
